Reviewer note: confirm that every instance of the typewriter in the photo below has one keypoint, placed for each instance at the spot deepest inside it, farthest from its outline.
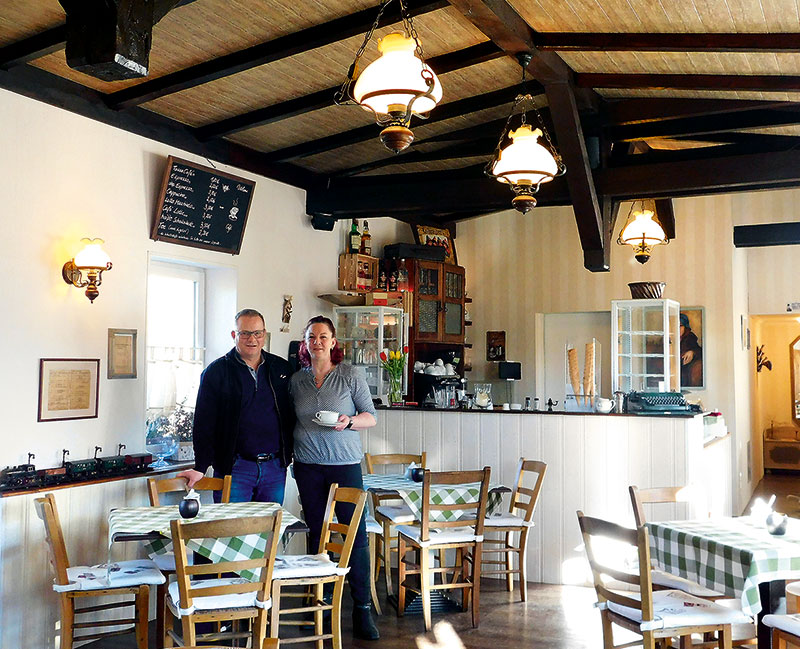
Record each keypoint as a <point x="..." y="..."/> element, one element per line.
<point x="662" y="403"/>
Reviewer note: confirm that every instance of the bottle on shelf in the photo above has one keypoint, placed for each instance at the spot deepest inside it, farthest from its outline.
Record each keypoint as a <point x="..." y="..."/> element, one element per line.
<point x="354" y="238"/>
<point x="366" y="240"/>
<point x="402" y="276"/>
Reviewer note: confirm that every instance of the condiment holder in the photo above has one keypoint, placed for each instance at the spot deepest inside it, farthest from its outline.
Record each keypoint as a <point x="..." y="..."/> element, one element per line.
<point x="777" y="523"/>
<point x="189" y="507"/>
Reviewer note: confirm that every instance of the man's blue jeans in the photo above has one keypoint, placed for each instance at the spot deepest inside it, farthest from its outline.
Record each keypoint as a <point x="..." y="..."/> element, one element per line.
<point x="256" y="481"/>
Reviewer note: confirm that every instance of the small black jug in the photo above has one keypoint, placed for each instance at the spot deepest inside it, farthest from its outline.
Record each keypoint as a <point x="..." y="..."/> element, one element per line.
<point x="189" y="507"/>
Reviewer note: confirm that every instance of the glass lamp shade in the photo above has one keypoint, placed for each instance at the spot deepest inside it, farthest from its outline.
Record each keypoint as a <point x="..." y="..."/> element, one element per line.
<point x="525" y="161"/>
<point x="92" y="255"/>
<point x="388" y="84"/>
<point x="642" y="230"/>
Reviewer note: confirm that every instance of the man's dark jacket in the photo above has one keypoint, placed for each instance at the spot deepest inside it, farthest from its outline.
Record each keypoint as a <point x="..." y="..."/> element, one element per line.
<point x="219" y="403"/>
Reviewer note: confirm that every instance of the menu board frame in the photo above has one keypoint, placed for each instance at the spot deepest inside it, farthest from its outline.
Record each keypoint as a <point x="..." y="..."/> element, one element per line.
<point x="164" y="211"/>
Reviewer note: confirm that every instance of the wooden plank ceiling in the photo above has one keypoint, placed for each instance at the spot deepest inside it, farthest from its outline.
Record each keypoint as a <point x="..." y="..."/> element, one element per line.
<point x="630" y="90"/>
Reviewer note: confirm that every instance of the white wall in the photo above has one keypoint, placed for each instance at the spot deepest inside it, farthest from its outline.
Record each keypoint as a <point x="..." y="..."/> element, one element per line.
<point x="65" y="177"/>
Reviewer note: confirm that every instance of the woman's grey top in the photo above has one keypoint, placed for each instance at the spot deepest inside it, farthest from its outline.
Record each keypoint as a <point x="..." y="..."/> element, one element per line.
<point x="345" y="391"/>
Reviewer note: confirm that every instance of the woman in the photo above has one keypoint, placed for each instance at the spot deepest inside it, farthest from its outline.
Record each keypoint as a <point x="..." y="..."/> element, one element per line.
<point x="326" y="455"/>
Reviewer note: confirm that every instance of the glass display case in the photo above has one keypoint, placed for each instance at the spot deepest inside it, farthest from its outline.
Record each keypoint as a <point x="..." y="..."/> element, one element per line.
<point x="363" y="332"/>
<point x="645" y="343"/>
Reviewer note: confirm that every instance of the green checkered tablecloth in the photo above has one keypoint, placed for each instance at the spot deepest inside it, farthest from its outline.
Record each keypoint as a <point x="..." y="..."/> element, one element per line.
<point x="146" y="520"/>
<point x="731" y="555"/>
<point x="411" y="493"/>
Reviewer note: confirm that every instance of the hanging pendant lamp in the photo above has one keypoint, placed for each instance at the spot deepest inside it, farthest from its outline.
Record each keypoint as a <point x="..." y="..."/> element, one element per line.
<point x="642" y="232"/>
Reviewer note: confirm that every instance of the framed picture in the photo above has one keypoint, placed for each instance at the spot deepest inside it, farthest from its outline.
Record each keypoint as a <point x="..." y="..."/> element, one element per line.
<point x="692" y="321"/>
<point x="122" y="353"/>
<point x="68" y="388"/>
<point x="495" y="345"/>
<point x="427" y="235"/>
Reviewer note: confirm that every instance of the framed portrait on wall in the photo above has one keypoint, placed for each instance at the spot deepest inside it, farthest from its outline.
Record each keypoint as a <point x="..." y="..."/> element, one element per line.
<point x="427" y="235"/>
<point x="692" y="329"/>
<point x="68" y="388"/>
<point x="495" y="345"/>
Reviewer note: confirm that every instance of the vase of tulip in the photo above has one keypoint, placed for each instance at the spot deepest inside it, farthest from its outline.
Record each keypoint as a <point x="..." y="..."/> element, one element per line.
<point x="393" y="363"/>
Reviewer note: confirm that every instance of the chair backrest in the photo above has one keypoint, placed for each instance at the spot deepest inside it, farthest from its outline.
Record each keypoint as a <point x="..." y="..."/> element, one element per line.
<point x="474" y="507"/>
<point x="693" y="494"/>
<point x="604" y="540"/>
<point x="46" y="510"/>
<point x="157" y="486"/>
<point x="525" y="498"/>
<point x="183" y="531"/>
<point x="343" y="546"/>
<point x="393" y="459"/>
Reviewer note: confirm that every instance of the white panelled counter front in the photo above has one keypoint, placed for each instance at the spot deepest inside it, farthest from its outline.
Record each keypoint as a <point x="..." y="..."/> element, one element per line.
<point x="591" y="460"/>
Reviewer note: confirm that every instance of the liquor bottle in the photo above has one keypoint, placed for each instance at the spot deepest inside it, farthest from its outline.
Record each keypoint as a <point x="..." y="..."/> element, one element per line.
<point x="402" y="276"/>
<point x="366" y="240"/>
<point x="355" y="238"/>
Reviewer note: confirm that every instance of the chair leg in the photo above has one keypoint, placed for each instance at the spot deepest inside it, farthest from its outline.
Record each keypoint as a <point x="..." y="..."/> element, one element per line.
<point x="648" y="641"/>
<point x="189" y="633"/>
<point x="425" y="585"/>
<point x="476" y="585"/>
<point x="401" y="576"/>
<point x="373" y="573"/>
<point x="522" y="557"/>
<point x="725" y="638"/>
<point x="142" y="610"/>
<point x="387" y="557"/>
<point x="67" y="621"/>
<point x="259" y="628"/>
<point x="336" y="613"/>
<point x="317" y="594"/>
<point x="509" y="563"/>
<point x="161" y="612"/>
<point x="275" y="611"/>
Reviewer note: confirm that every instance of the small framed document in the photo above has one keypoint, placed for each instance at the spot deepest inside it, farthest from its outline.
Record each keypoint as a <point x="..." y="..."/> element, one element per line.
<point x="68" y="388"/>
<point x="122" y="353"/>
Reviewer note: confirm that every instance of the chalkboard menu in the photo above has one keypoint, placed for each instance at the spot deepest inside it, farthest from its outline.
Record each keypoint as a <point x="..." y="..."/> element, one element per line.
<point x="202" y="207"/>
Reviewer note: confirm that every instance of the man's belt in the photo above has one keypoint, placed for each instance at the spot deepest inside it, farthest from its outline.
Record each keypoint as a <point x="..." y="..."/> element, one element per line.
<point x="261" y="457"/>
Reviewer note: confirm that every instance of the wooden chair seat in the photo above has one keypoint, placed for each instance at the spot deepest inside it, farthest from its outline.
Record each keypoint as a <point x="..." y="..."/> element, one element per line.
<point x="76" y="583"/>
<point x="785" y="630"/>
<point x="464" y="535"/>
<point x="518" y="520"/>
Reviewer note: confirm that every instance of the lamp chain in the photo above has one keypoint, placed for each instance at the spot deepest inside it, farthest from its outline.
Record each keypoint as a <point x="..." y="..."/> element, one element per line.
<point x="409" y="25"/>
<point x="343" y="94"/>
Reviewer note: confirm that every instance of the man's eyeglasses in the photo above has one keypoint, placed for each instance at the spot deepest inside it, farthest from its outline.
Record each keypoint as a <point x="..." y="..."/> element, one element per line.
<point x="251" y="334"/>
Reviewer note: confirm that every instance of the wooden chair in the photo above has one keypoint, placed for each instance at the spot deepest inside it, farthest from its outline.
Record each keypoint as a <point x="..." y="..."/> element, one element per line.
<point x="215" y="600"/>
<point x="166" y="562"/>
<point x="785" y="630"/>
<point x="657" y="616"/>
<point x="80" y="582"/>
<point x="389" y="511"/>
<point x="523" y="500"/>
<point x="464" y="535"/>
<point x="692" y="494"/>
<point x="312" y="572"/>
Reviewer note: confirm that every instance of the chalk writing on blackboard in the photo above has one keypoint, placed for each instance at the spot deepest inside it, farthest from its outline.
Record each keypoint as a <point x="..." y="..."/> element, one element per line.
<point x="202" y="207"/>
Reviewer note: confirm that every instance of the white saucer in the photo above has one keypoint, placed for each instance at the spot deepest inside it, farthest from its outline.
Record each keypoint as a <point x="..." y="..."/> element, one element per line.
<point x="322" y="423"/>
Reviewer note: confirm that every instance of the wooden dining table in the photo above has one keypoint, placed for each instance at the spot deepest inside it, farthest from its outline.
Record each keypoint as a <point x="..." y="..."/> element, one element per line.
<point x="736" y="556"/>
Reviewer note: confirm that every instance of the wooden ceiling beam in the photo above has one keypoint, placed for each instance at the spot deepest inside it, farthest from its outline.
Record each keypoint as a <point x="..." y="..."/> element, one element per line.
<point x="661" y="42"/>
<point x="754" y="82"/>
<point x="471" y="149"/>
<point x="702" y="124"/>
<point x="442" y="64"/>
<point x="34" y="47"/>
<point x="652" y="109"/>
<point x="743" y="172"/>
<point x="364" y="133"/>
<point x="665" y="213"/>
<point x="62" y="93"/>
<point x="263" y="53"/>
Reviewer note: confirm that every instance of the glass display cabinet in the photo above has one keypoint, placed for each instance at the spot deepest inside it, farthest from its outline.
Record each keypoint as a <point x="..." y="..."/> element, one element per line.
<point x="363" y="332"/>
<point x="645" y="344"/>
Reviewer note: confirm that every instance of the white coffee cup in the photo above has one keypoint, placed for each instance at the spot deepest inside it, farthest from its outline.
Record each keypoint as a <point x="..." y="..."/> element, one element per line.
<point x="327" y="416"/>
<point x="506" y="406"/>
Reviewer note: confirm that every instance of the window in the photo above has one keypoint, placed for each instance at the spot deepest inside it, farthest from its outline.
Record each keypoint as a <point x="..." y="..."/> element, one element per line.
<point x="175" y="344"/>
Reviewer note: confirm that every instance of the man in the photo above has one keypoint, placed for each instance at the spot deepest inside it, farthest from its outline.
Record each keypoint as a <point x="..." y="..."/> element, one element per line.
<point x="244" y="418"/>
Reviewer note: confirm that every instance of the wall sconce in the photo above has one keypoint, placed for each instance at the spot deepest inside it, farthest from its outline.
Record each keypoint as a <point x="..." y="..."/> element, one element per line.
<point x="642" y="232"/>
<point x="92" y="260"/>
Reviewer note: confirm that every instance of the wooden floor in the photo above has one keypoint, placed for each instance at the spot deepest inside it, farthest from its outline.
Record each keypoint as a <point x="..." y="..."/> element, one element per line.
<point x="555" y="617"/>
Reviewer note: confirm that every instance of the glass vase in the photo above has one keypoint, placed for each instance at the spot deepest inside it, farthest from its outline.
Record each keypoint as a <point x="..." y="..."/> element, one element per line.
<point x="395" y="390"/>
